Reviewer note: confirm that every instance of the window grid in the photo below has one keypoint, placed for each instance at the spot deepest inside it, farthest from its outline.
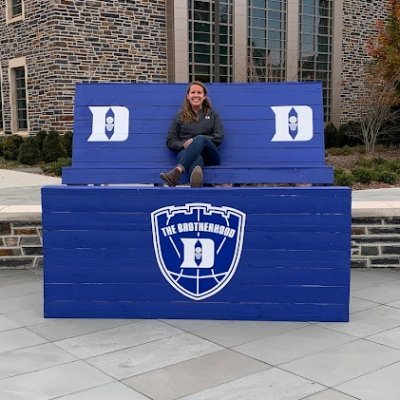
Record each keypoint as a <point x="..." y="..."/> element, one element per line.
<point x="210" y="40"/>
<point x="16" y="8"/>
<point x="266" y="48"/>
<point x="315" y="51"/>
<point x="20" y="99"/>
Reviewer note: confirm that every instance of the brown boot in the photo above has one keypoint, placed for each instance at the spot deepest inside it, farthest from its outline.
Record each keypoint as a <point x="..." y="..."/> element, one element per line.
<point x="172" y="177"/>
<point x="196" y="178"/>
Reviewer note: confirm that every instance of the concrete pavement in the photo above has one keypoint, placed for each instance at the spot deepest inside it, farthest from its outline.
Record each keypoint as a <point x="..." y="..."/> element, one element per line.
<point x="123" y="359"/>
<point x="21" y="188"/>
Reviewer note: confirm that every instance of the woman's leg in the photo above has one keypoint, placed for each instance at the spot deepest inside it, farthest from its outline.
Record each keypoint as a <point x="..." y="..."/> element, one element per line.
<point x="198" y="162"/>
<point x="191" y="160"/>
<point x="201" y="145"/>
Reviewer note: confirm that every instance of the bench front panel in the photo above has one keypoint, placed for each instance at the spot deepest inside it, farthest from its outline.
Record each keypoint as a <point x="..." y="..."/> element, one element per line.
<point x="102" y="259"/>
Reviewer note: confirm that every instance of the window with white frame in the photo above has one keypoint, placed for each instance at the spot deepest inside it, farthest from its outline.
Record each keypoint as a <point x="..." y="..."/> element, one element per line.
<point x="15" y="10"/>
<point x="19" y="98"/>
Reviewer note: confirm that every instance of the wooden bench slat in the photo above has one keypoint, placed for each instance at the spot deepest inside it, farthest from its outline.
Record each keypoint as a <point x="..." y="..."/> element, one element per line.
<point x="288" y="311"/>
<point x="277" y="259"/>
<point x="313" y="175"/>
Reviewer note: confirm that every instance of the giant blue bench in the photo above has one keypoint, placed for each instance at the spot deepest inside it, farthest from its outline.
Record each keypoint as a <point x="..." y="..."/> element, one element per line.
<point x="268" y="238"/>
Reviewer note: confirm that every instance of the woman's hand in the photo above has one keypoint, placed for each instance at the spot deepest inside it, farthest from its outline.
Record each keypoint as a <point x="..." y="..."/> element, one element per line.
<point x="187" y="143"/>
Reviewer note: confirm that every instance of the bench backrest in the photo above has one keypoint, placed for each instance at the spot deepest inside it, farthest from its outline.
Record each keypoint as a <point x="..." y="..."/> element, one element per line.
<point x="120" y="131"/>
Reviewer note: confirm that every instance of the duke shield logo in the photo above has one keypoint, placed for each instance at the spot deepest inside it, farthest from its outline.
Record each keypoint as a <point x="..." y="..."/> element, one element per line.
<point x="109" y="124"/>
<point x="198" y="246"/>
<point x="293" y="123"/>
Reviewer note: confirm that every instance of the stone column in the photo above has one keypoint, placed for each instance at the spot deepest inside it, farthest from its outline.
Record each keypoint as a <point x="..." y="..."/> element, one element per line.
<point x="292" y="51"/>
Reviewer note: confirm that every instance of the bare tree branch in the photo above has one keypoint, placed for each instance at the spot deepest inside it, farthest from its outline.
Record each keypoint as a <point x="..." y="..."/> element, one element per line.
<point x="376" y="105"/>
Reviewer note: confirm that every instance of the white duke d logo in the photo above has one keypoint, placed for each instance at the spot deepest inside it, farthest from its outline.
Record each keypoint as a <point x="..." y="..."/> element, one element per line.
<point x="198" y="246"/>
<point x="293" y="123"/>
<point x="110" y="124"/>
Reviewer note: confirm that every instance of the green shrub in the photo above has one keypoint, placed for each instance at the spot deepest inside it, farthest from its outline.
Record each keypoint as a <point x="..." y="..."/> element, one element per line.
<point x="11" y="147"/>
<point x="394" y="165"/>
<point x="2" y="139"/>
<point x="52" y="147"/>
<point x="349" y="134"/>
<point x="365" y="174"/>
<point x="40" y="138"/>
<point x="331" y="136"/>
<point x="342" y="151"/>
<point x="55" y="167"/>
<point x="29" y="152"/>
<point x="67" y="143"/>
<point x="343" y="177"/>
<point x="388" y="177"/>
<point x="370" y="161"/>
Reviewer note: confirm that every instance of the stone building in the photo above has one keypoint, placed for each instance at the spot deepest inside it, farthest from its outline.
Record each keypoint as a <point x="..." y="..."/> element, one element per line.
<point x="46" y="46"/>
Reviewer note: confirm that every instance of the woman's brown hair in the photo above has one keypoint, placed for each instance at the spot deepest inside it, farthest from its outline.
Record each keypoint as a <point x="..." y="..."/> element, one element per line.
<point x="187" y="113"/>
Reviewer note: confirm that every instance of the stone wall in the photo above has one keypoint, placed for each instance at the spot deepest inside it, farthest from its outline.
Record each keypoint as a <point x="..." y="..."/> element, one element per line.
<point x="359" y="19"/>
<point x="21" y="245"/>
<point x="28" y="38"/>
<point x="375" y="243"/>
<point x="69" y="41"/>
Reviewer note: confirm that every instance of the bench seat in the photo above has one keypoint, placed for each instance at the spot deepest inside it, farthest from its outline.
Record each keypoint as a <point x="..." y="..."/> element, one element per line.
<point x="214" y="175"/>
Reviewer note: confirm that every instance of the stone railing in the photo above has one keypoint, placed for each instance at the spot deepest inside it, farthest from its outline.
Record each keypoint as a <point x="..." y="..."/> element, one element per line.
<point x="375" y="236"/>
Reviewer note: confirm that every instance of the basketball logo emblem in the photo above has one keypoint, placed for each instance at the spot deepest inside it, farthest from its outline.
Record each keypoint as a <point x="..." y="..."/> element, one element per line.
<point x="198" y="246"/>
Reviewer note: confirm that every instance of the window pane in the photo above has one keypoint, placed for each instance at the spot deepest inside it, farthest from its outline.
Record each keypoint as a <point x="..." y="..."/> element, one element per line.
<point x="206" y="50"/>
<point x="258" y="3"/>
<point x="16" y="8"/>
<point x="267" y="40"/>
<point x="315" y="53"/>
<point x="20" y="100"/>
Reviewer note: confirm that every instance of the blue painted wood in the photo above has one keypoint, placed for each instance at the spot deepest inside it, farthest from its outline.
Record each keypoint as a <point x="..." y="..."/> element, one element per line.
<point x="248" y="146"/>
<point x="134" y="273"/>
<point x="141" y="154"/>
<point x="319" y="240"/>
<point x="134" y="221"/>
<point x="176" y="310"/>
<point x="213" y="175"/>
<point x="154" y="292"/>
<point x="288" y="200"/>
<point x="84" y="258"/>
<point x="99" y="255"/>
<point x="98" y="250"/>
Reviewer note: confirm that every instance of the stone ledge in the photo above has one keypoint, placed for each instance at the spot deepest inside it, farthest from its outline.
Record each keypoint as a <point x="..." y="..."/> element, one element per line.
<point x="21" y="213"/>
<point x="359" y="209"/>
<point x="375" y="209"/>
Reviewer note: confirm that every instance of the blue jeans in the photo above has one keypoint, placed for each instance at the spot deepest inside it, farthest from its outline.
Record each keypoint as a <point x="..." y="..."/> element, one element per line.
<point x="202" y="151"/>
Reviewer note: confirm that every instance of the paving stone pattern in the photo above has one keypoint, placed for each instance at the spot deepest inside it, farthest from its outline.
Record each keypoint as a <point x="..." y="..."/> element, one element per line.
<point x="129" y="359"/>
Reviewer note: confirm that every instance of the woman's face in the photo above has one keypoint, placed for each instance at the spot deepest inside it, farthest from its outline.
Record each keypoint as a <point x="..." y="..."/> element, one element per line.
<point x="196" y="96"/>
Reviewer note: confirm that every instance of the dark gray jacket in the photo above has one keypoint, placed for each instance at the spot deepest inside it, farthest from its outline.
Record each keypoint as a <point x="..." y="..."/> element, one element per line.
<point x="208" y="125"/>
